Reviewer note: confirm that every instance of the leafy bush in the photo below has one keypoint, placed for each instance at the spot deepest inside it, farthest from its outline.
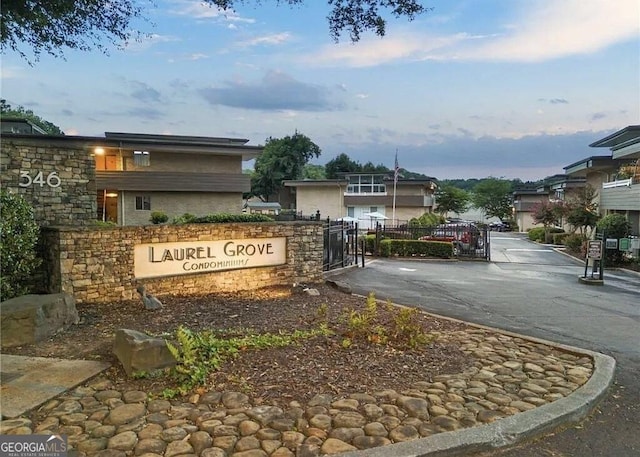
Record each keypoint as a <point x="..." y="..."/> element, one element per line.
<point x="18" y="237"/>
<point x="614" y="226"/>
<point x="574" y="241"/>
<point x="407" y="248"/>
<point x="369" y="243"/>
<point x="158" y="217"/>
<point x="427" y="220"/>
<point x="538" y="234"/>
<point x="558" y="238"/>
<point x="221" y="218"/>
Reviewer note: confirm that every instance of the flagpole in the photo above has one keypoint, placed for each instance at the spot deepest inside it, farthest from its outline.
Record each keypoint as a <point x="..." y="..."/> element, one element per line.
<point x="395" y="182"/>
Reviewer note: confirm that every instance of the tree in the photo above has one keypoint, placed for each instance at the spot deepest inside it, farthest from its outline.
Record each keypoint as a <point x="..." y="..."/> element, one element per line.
<point x="7" y="111"/>
<point x="281" y="159"/>
<point x="451" y="199"/>
<point x="313" y="172"/>
<point x="74" y="24"/>
<point x="18" y="238"/>
<point x="48" y="26"/>
<point x="493" y="196"/>
<point x="354" y="16"/>
<point x="341" y="164"/>
<point x="369" y="167"/>
<point x="548" y="213"/>
<point x="582" y="211"/>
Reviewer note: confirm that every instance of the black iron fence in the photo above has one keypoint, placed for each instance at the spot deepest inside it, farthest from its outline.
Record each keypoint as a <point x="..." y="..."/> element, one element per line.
<point x="340" y="244"/>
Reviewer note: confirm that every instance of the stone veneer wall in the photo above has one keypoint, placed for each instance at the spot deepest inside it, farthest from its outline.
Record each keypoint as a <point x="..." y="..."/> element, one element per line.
<point x="97" y="265"/>
<point x="73" y="202"/>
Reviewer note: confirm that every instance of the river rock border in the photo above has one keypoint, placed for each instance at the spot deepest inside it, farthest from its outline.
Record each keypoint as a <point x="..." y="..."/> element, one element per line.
<point x="511" y="375"/>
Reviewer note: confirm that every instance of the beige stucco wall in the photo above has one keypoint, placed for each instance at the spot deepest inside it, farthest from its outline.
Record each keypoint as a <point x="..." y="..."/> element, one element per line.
<point x="328" y="200"/>
<point x="175" y="204"/>
<point x="97" y="265"/>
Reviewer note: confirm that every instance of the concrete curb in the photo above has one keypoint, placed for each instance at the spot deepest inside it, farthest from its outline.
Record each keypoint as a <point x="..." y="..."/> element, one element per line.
<point x="513" y="429"/>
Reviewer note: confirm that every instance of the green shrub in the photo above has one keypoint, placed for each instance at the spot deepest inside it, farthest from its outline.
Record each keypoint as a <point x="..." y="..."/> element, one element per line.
<point x="221" y="218"/>
<point x="536" y="234"/>
<point x="369" y="243"/>
<point x="614" y="226"/>
<point x="158" y="217"/>
<point x="558" y="238"/>
<point x="18" y="238"/>
<point x="574" y="241"/>
<point x="417" y="248"/>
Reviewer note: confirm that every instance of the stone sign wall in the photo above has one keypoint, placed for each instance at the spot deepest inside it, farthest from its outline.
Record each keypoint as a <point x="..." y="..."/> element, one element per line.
<point x="98" y="264"/>
<point x="58" y="180"/>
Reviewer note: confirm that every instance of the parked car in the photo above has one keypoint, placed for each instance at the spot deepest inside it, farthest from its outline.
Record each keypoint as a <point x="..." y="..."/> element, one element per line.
<point x="500" y="226"/>
<point x="464" y="236"/>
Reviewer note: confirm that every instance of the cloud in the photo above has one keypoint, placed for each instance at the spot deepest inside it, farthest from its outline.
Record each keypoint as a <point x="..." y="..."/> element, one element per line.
<point x="558" y="101"/>
<point x="551" y="29"/>
<point x="202" y="10"/>
<point x="542" y="30"/>
<point x="146" y="113"/>
<point x="449" y="156"/>
<point x="148" y="42"/>
<point x="145" y="93"/>
<point x="273" y="39"/>
<point x="277" y="91"/>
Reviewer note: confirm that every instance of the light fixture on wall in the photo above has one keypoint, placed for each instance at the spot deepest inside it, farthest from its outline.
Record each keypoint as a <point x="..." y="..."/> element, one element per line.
<point x="111" y="194"/>
<point x="99" y="151"/>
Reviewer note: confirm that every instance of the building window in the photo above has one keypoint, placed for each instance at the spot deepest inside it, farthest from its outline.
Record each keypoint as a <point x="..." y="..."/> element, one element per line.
<point x="141" y="158"/>
<point x="366" y="184"/>
<point x="143" y="202"/>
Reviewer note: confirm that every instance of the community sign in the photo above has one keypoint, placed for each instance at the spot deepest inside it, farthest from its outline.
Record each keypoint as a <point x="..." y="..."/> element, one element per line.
<point x="179" y="258"/>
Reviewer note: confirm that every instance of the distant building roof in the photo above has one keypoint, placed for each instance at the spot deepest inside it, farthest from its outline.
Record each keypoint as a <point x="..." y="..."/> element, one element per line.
<point x="20" y="125"/>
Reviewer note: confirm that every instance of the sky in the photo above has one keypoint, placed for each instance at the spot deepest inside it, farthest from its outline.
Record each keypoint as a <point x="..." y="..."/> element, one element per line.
<point x="470" y="89"/>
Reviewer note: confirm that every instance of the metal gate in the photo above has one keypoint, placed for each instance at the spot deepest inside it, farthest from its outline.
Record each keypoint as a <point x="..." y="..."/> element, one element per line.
<point x="340" y="245"/>
<point x="470" y="241"/>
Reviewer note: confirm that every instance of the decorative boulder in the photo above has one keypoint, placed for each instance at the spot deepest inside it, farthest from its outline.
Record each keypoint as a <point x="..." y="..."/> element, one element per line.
<point x="137" y="352"/>
<point x="32" y="318"/>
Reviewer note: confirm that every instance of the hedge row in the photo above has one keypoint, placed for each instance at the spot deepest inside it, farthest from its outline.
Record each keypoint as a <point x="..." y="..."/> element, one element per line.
<point x="411" y="248"/>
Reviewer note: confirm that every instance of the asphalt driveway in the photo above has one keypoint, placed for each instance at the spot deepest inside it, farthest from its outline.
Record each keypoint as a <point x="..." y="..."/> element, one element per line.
<point x="533" y="290"/>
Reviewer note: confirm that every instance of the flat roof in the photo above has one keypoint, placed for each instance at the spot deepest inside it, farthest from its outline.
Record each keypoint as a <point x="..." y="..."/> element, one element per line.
<point x="168" y="143"/>
<point x="621" y="138"/>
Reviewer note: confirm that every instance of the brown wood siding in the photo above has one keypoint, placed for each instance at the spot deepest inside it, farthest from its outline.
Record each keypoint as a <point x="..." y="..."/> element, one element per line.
<point x="172" y="181"/>
<point x="386" y="200"/>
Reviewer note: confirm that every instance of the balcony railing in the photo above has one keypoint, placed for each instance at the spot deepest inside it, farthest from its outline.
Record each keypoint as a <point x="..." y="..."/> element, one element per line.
<point x="618" y="183"/>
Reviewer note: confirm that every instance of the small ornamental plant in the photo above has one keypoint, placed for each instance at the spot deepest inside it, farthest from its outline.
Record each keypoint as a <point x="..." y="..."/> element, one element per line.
<point x="18" y="238"/>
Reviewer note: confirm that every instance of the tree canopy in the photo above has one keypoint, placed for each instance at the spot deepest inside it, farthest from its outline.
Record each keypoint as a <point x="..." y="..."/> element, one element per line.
<point x="53" y="27"/>
<point x="282" y="158"/>
<point x="353" y="16"/>
<point x="493" y="196"/>
<point x="582" y="210"/>
<point x="451" y="199"/>
<point x="6" y="110"/>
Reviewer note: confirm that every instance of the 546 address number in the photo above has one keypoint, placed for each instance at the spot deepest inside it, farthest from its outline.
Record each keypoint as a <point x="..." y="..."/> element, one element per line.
<point x="51" y="180"/>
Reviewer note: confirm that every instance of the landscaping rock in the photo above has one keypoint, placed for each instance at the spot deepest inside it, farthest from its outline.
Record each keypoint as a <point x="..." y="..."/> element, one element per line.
<point x="139" y="352"/>
<point x="32" y="318"/>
